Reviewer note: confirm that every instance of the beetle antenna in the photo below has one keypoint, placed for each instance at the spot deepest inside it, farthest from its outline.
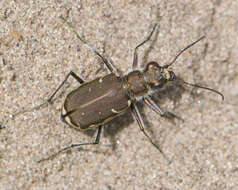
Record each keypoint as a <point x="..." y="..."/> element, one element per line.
<point x="183" y="50"/>
<point x="203" y="87"/>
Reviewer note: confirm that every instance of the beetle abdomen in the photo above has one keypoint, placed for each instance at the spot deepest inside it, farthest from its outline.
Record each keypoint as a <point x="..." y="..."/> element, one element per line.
<point x="95" y="103"/>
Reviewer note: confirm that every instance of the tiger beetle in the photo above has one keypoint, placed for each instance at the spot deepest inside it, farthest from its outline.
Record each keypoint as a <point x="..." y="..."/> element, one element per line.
<point x="95" y="103"/>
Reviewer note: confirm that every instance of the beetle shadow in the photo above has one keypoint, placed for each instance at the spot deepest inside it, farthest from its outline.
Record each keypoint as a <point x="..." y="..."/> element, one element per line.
<point x="173" y="91"/>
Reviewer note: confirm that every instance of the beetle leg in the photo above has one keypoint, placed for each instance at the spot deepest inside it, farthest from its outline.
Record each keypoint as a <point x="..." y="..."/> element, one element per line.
<point x="136" y="114"/>
<point x="108" y="64"/>
<point x="96" y="141"/>
<point x="49" y="100"/>
<point x="152" y="105"/>
<point x="135" y="58"/>
<point x="71" y="73"/>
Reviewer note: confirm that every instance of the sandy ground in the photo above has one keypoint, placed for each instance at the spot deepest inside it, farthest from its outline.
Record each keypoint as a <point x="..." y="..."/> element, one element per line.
<point x="37" y="50"/>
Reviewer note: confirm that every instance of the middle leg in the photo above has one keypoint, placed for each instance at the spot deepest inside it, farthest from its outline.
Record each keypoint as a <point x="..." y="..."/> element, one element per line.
<point x="136" y="114"/>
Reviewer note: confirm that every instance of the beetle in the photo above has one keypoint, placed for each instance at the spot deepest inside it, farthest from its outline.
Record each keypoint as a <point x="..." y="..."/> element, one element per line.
<point x="95" y="103"/>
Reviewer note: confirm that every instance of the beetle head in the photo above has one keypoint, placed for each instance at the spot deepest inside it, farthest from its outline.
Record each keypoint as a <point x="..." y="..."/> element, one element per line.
<point x="156" y="75"/>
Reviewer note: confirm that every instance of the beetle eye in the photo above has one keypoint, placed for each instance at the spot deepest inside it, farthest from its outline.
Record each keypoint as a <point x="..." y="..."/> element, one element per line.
<point x="152" y="66"/>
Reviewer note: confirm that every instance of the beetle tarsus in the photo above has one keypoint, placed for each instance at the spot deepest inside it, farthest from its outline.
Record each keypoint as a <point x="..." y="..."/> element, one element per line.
<point x="96" y="141"/>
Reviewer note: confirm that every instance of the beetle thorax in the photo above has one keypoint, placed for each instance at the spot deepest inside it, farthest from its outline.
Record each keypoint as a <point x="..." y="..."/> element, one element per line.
<point x="136" y="84"/>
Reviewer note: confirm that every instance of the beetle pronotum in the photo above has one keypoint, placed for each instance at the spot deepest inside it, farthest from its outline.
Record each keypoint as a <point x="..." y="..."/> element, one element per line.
<point x="95" y="103"/>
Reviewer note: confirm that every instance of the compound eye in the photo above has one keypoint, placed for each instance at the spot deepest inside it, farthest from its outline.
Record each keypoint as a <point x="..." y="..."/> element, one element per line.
<point x="152" y="66"/>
